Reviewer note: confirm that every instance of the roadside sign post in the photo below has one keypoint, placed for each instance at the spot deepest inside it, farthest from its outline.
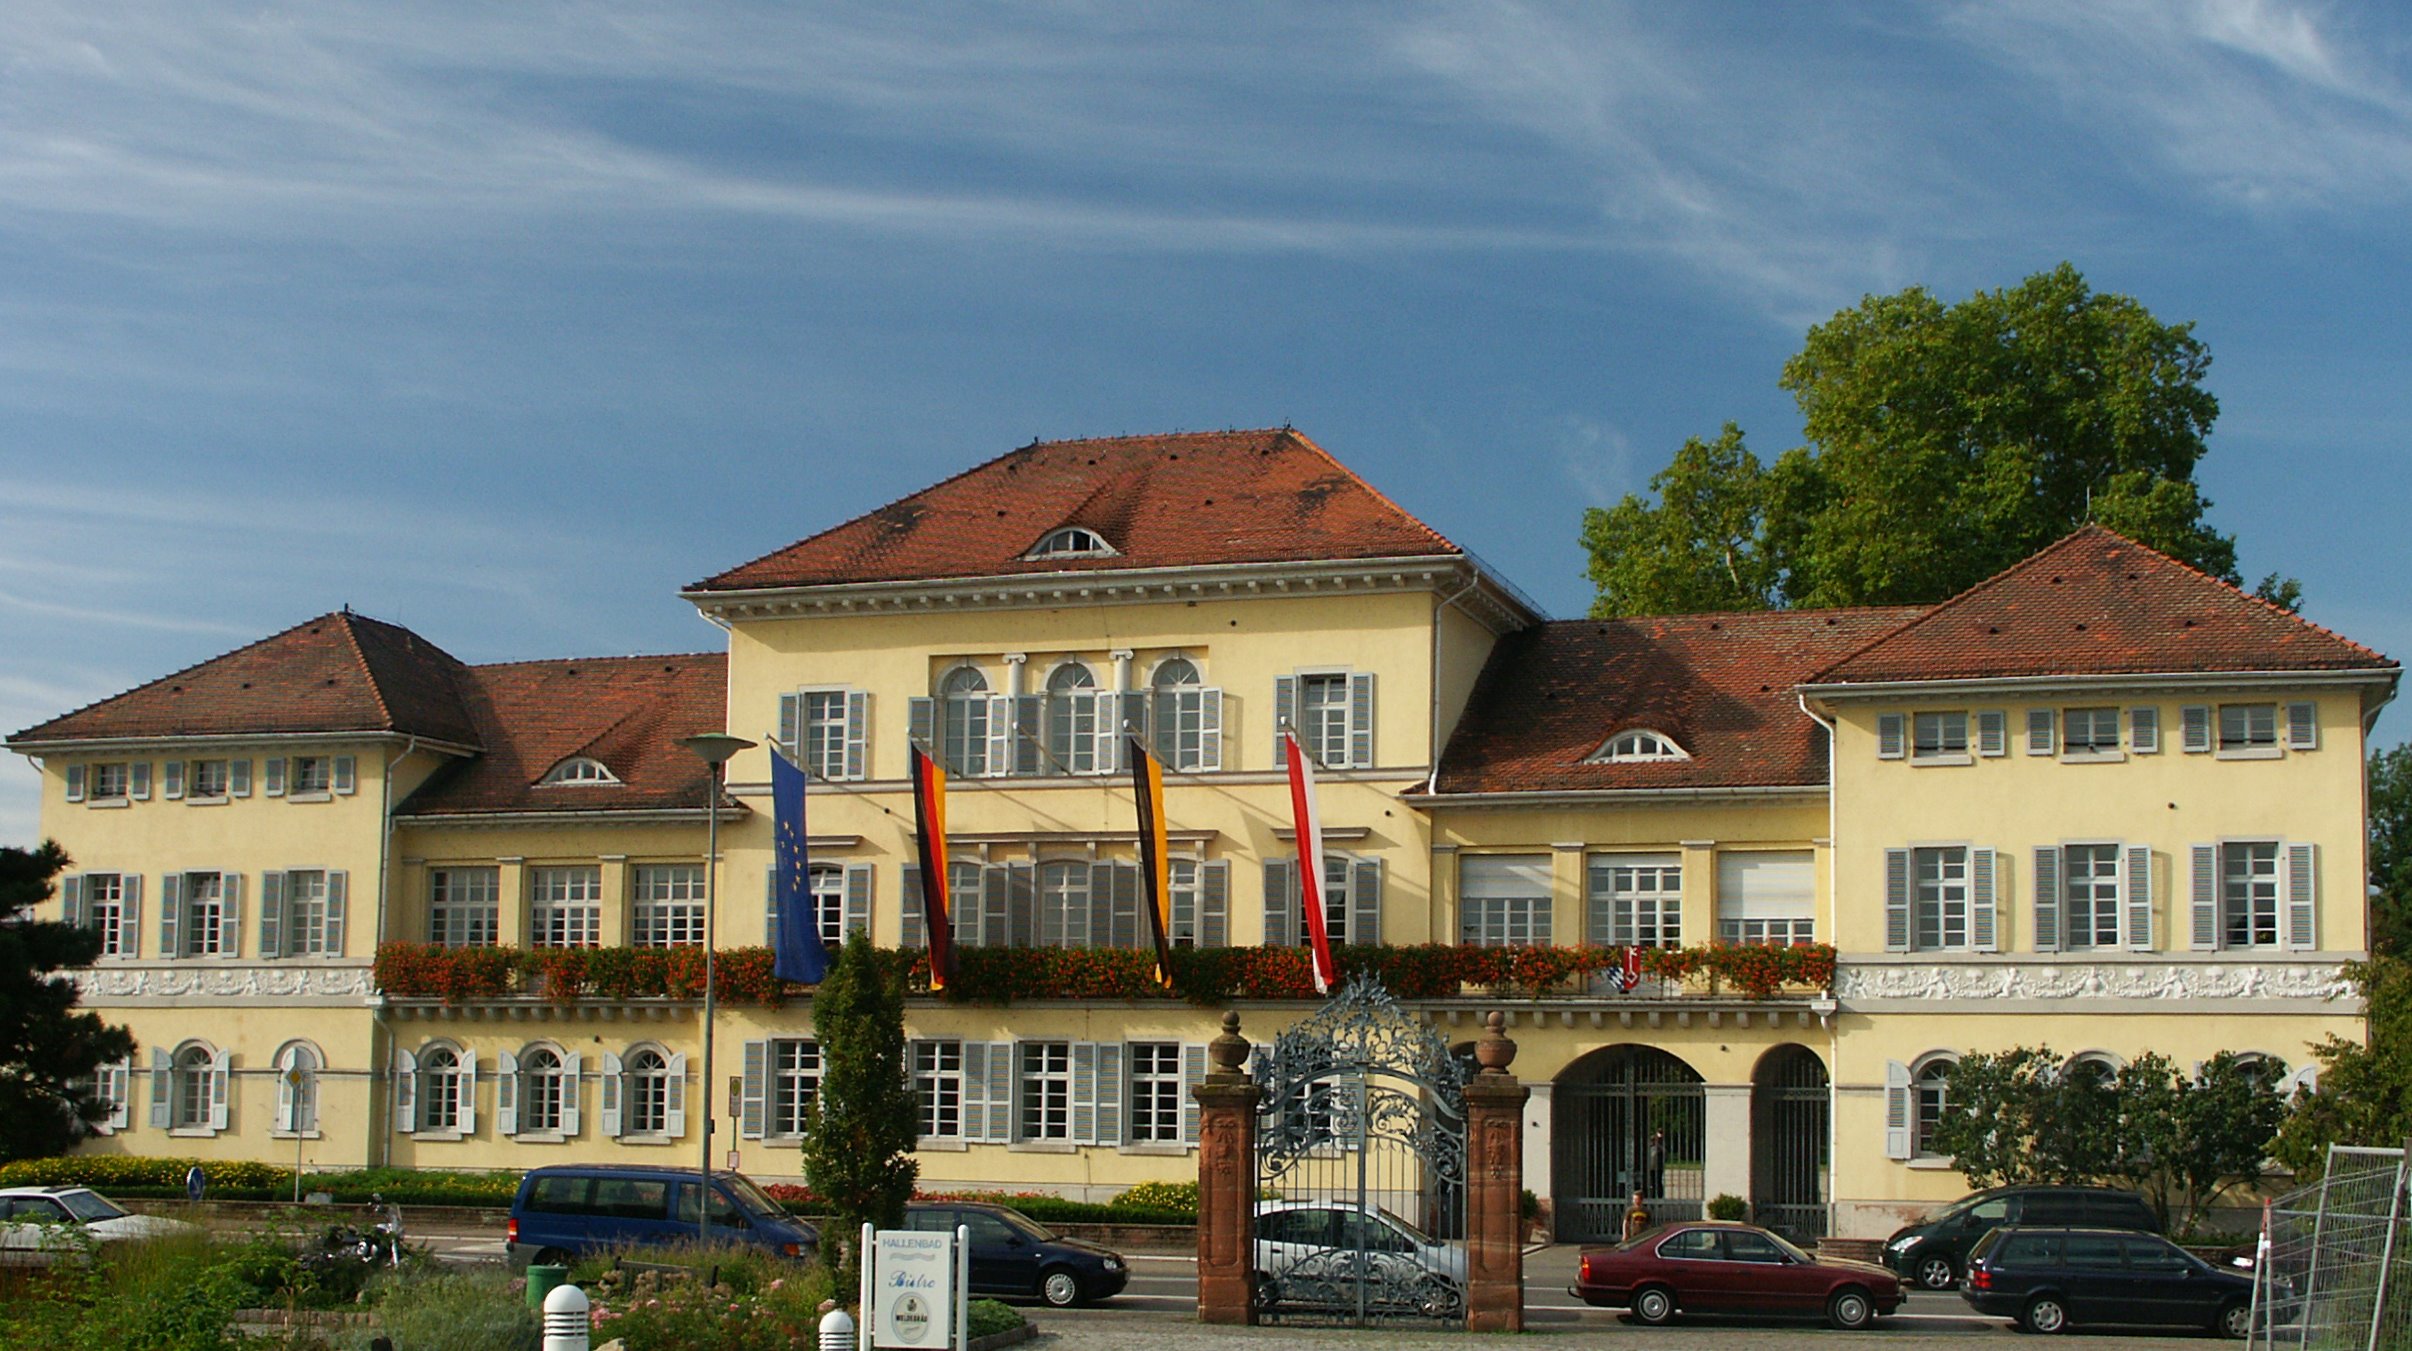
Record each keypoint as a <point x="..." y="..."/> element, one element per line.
<point x="916" y="1290"/>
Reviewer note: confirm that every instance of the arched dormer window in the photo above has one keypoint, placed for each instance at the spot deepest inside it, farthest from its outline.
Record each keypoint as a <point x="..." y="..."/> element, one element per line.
<point x="578" y="769"/>
<point x="1071" y="541"/>
<point x="1639" y="745"/>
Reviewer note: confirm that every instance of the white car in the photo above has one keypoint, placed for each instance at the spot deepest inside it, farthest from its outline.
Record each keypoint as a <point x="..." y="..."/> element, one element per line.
<point x="1307" y="1256"/>
<point x="38" y="1225"/>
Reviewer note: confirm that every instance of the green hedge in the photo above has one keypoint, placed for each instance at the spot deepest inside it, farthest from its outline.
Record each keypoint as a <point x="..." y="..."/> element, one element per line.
<point x="245" y="1180"/>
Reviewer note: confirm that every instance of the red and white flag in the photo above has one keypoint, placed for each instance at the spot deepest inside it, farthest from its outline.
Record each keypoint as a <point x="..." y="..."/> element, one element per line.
<point x="1310" y="867"/>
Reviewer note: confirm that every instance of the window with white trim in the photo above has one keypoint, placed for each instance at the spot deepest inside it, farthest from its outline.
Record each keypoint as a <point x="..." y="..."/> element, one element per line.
<point x="579" y="769"/>
<point x="1063" y="905"/>
<point x="568" y="907"/>
<point x="310" y="775"/>
<point x="1073" y="710"/>
<point x="938" y="1088"/>
<point x="669" y="905"/>
<point x="1639" y="745"/>
<point x="543" y="1085"/>
<point x="105" y="913"/>
<point x="439" y="1089"/>
<point x="1941" y="737"/>
<point x="1071" y="541"/>
<point x="1186" y="720"/>
<point x="463" y="907"/>
<point x="2090" y="891"/>
<point x="1323" y="717"/>
<point x="2089" y="732"/>
<point x="1504" y="900"/>
<point x="1155" y="1102"/>
<point x="648" y="1072"/>
<point x="963" y="700"/>
<point x="1046" y="1090"/>
<point x="824" y="730"/>
<point x="306" y="925"/>
<point x="297" y="1069"/>
<point x="2248" y="893"/>
<point x="795" y="1078"/>
<point x="1185" y="878"/>
<point x="1766" y="898"/>
<point x="2248" y="728"/>
<point x="108" y="781"/>
<point x="194" y="1066"/>
<point x="207" y="781"/>
<point x="1939" y="906"/>
<point x="1635" y="900"/>
<point x="827" y="882"/>
<point x="200" y="931"/>
<point x="1930" y="1088"/>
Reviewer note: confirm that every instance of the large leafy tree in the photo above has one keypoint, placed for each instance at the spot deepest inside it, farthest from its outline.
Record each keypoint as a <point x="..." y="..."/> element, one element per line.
<point x="48" y="1051"/>
<point x="1945" y="442"/>
<point x="2390" y="797"/>
<point x="2365" y="1088"/>
<point x="859" y="1136"/>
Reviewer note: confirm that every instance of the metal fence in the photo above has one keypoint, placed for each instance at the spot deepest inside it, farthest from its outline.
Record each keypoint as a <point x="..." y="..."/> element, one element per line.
<point x="2334" y="1267"/>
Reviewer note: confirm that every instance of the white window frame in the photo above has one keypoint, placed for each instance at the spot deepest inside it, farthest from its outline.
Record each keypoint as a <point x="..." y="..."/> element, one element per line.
<point x="438" y="1090"/>
<point x="475" y="915"/>
<point x="1927" y="1085"/>
<point x="821" y="732"/>
<point x="1325" y="736"/>
<point x="1185" y="718"/>
<point x="1622" y="912"/>
<point x="2090" y="751"/>
<point x="791" y="1081"/>
<point x="119" y="932"/>
<point x="308" y="914"/>
<point x="669" y="905"/>
<point x="1763" y="930"/>
<point x="1506" y="921"/>
<point x="565" y="906"/>
<point x="201" y="928"/>
<point x="300" y="1070"/>
<point x="648" y="1101"/>
<point x="1071" y="541"/>
<point x="579" y="771"/>
<point x="198" y="788"/>
<point x="2252" y="746"/>
<point x="938" y="1087"/>
<point x="1069" y="720"/>
<point x="1941" y="900"/>
<point x="964" y="717"/>
<point x="1042" y="1096"/>
<point x="2117" y="897"/>
<point x="1943" y="721"/>
<point x="94" y="794"/>
<point x="1153" y="1113"/>
<point x="193" y="1067"/>
<point x="1638" y="745"/>
<point x="309" y="778"/>
<point x="2277" y="903"/>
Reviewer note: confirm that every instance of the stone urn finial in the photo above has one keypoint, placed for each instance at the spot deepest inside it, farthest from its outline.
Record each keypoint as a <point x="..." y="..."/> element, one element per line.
<point x="1495" y="1050"/>
<point x="1230" y="1050"/>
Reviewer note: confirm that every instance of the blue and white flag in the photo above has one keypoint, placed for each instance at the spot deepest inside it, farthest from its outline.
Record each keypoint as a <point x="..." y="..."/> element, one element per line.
<point x="798" y="955"/>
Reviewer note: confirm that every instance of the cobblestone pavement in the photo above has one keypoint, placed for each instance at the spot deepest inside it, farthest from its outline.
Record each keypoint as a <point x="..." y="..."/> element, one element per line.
<point x="1159" y="1333"/>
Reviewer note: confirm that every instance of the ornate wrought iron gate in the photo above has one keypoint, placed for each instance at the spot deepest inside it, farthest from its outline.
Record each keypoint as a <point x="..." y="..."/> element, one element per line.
<point x="1790" y="1108"/>
<point x="1627" y="1119"/>
<point x="1361" y="1157"/>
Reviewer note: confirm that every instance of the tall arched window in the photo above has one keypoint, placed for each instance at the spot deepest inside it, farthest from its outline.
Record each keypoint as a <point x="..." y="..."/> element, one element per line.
<point x="190" y="1109"/>
<point x="963" y="720"/>
<point x="648" y="1092"/>
<point x="297" y="1067"/>
<point x="1071" y="720"/>
<point x="439" y="1089"/>
<point x="1929" y="1085"/>
<point x="1186" y="722"/>
<point x="541" y="1087"/>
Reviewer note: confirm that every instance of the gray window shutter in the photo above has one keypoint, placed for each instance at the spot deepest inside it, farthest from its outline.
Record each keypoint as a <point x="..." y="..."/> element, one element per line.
<point x="1992" y="732"/>
<point x="230" y="914"/>
<point x="2303" y="726"/>
<point x="791" y="726"/>
<point x="1281" y="903"/>
<point x="571" y="1092"/>
<point x="2144" y="731"/>
<point x="1021" y="904"/>
<point x="2047" y="898"/>
<point x="221" y="1065"/>
<point x="238" y="778"/>
<point x="1113" y="905"/>
<point x="2139" y="897"/>
<point x="163" y="1088"/>
<point x="121" y="1088"/>
<point x="1000" y="1078"/>
<point x="613" y="1091"/>
<point x="770" y="906"/>
<point x="1210" y="729"/>
<point x="2194" y="729"/>
<point x="272" y="776"/>
<point x="2041" y="733"/>
<point x="2205" y="936"/>
<point x="921" y="723"/>
<point x="285" y="1096"/>
<point x="974" y="1121"/>
<point x="406" y="1091"/>
<point x="674" y="1120"/>
<point x="2302" y="897"/>
<point x="171" y="780"/>
<point x="1897" y="1115"/>
<point x="1365" y="902"/>
<point x="272" y="914"/>
<point x="129" y="916"/>
<point x="1193" y="1073"/>
<point x="75" y="783"/>
<point x="138" y="780"/>
<point x="171" y="909"/>
<point x="1984" y="901"/>
<point x="858" y="899"/>
<point x="912" y="926"/>
<point x="1084" y="1092"/>
<point x="1214" y="905"/>
<point x="1892" y="736"/>
<point x="1109" y="1093"/>
<point x="1285" y="715"/>
<point x="1030" y="750"/>
<point x="339" y="886"/>
<point x="71" y="902"/>
<point x="465" y="1105"/>
<point x="506" y="1093"/>
<point x="858" y="734"/>
<point x="345" y="775"/>
<point x="753" y="1090"/>
<point x="1361" y="720"/>
<point x="998" y="759"/>
<point x="1896" y="900"/>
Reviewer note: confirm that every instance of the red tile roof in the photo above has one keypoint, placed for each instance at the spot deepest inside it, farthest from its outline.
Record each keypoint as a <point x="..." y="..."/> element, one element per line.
<point x="627" y="712"/>
<point x="2098" y="603"/>
<point x="1719" y="685"/>
<point x="340" y="672"/>
<point x="1182" y="500"/>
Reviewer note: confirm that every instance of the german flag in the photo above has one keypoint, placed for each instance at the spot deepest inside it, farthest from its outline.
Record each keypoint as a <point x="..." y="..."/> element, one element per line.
<point x="1147" y="785"/>
<point x="929" y="828"/>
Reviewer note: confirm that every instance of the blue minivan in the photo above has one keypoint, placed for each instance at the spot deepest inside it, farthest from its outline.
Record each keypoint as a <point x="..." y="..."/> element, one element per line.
<point x="570" y="1209"/>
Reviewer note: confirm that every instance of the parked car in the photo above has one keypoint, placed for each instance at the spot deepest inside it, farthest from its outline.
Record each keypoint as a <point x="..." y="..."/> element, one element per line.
<point x="1933" y="1251"/>
<point x="1307" y="1257"/>
<point x="1713" y="1267"/>
<point x="564" y="1210"/>
<point x="40" y="1225"/>
<point x="2054" y="1279"/>
<point x="1014" y="1255"/>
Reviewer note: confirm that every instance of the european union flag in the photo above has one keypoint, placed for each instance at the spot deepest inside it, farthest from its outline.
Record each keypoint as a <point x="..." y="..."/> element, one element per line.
<point x="799" y="955"/>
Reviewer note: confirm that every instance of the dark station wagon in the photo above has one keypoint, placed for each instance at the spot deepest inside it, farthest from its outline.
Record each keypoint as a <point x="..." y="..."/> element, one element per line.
<point x="2054" y="1279"/>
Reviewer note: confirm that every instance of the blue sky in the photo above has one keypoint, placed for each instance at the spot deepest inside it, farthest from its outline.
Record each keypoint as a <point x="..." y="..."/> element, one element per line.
<point x="506" y="321"/>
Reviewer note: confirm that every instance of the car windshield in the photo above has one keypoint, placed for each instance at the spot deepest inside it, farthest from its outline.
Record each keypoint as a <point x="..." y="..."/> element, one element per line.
<point x="1650" y="1235"/>
<point x="88" y="1206"/>
<point x="1790" y="1251"/>
<point x="1029" y="1227"/>
<point x="751" y="1196"/>
<point x="1960" y="1207"/>
<point x="1422" y="1239"/>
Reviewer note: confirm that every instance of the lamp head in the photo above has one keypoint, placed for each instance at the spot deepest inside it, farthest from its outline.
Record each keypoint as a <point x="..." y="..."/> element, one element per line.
<point x="715" y="748"/>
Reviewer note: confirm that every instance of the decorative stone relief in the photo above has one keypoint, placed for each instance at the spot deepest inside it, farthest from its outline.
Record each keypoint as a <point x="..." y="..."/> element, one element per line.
<point x="213" y="981"/>
<point x="2096" y="980"/>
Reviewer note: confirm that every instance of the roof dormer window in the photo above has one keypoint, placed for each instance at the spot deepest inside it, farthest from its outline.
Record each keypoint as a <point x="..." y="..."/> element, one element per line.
<point x="578" y="769"/>
<point x="1638" y="746"/>
<point x="1071" y="541"/>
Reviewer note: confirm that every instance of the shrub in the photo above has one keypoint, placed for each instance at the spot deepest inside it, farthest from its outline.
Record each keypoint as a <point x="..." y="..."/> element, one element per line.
<point x="988" y="1318"/>
<point x="1727" y="1206"/>
<point x="760" y="1302"/>
<point x="454" y="1311"/>
<point x="1159" y="1196"/>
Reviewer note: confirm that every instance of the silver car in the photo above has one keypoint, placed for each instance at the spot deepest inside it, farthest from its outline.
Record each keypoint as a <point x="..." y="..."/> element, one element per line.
<point x="1315" y="1254"/>
<point x="40" y="1225"/>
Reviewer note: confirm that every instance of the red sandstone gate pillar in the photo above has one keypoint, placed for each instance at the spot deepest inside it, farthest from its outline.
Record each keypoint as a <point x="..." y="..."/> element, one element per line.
<point x="1227" y="1182"/>
<point x="1494" y="1187"/>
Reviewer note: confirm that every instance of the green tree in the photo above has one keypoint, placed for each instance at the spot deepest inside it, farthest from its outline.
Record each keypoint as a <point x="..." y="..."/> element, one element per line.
<point x="1945" y="442"/>
<point x="48" y="1051"/>
<point x="2365" y="1088"/>
<point x="2390" y="797"/>
<point x="2185" y="1143"/>
<point x="860" y="1130"/>
<point x="2014" y="1116"/>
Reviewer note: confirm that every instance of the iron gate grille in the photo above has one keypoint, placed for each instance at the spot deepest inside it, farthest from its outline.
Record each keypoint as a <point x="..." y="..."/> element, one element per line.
<point x="1627" y="1119"/>
<point x="1789" y="1130"/>
<point x="1361" y="1158"/>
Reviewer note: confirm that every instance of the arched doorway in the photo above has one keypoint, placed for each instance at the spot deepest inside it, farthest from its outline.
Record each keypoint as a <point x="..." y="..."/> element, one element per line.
<point x="1625" y="1119"/>
<point x="1790" y="1110"/>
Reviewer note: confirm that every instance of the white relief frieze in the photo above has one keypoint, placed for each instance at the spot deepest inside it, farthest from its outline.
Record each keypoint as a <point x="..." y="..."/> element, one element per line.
<point x="214" y="981"/>
<point x="2095" y="980"/>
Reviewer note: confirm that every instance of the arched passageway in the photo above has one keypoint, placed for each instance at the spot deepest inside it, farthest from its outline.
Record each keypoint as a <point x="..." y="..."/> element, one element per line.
<point x="1791" y="1102"/>
<point x="1625" y="1119"/>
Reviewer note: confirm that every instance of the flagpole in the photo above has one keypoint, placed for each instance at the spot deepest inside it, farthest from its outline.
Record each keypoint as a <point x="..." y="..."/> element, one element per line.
<point x="714" y="749"/>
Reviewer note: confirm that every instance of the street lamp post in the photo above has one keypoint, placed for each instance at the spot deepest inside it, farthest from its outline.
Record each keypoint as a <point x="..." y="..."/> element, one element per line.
<point x="714" y="749"/>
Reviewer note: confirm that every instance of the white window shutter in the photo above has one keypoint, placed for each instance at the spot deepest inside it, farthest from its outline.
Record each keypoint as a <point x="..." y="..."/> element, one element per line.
<point x="75" y="783"/>
<point x="1105" y="742"/>
<point x="572" y="1092"/>
<point x="1193" y="1073"/>
<point x="1984" y="900"/>
<point x="230" y="914"/>
<point x="1281" y="903"/>
<point x="754" y="1090"/>
<point x="770" y="906"/>
<point x="1897" y="1110"/>
<point x="163" y="1088"/>
<point x="791" y="726"/>
<point x="998" y="757"/>
<point x="1110" y="1092"/>
<point x="406" y="1091"/>
<point x="272" y="914"/>
<point x="2144" y="730"/>
<point x="858" y="734"/>
<point x="138" y="780"/>
<point x="2047" y="898"/>
<point x="121" y="1089"/>
<point x="1285" y="716"/>
<point x="220" y="1067"/>
<point x="346" y="774"/>
<point x="1993" y="736"/>
<point x="2040" y="731"/>
<point x="2205" y="934"/>
<point x="1365" y="902"/>
<point x="339" y="885"/>
<point x="912" y="923"/>
<point x="171" y="780"/>
<point x="974" y="1124"/>
<point x="285" y="1097"/>
<point x="171" y="909"/>
<point x="2194" y="729"/>
<point x="272" y="776"/>
<point x="2302" y="897"/>
<point x="238" y="777"/>
<point x="1361" y="720"/>
<point x="1214" y="904"/>
<point x="613" y="1088"/>
<point x="858" y="899"/>
<point x="506" y="1093"/>
<point x="1084" y="1092"/>
<point x="71" y="902"/>
<point x="2303" y="726"/>
<point x="2139" y="898"/>
<point x="1000" y="1079"/>
<point x="466" y="1104"/>
<point x="1210" y="729"/>
<point x="129" y="915"/>
<point x="1892" y="736"/>
<point x="675" y="1119"/>
<point x="1896" y="900"/>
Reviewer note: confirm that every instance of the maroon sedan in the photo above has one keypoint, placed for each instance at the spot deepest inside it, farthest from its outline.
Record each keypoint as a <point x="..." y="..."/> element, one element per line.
<point x="1708" y="1267"/>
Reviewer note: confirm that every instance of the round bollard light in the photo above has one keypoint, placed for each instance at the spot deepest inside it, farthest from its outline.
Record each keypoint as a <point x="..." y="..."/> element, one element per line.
<point x="837" y="1331"/>
<point x="566" y="1325"/>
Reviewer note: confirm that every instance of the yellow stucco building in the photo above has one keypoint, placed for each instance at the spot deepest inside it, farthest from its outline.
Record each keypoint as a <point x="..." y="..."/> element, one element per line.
<point x="2100" y="802"/>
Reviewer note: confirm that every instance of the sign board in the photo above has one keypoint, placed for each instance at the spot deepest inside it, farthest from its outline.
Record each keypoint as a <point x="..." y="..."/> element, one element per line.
<point x="912" y="1295"/>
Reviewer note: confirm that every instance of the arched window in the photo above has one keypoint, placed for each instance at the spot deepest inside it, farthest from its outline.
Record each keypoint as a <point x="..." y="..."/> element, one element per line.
<point x="963" y="719"/>
<point x="1185" y="721"/>
<point x="542" y="1085"/>
<point x="192" y="1083"/>
<point x="440" y="1082"/>
<point x="297" y="1067"/>
<point x="1174" y="672"/>
<point x="648" y="1092"/>
<point x="1071" y="541"/>
<point x="1072" y="715"/>
<point x="1929" y="1083"/>
<point x="578" y="769"/>
<point x="1637" y="746"/>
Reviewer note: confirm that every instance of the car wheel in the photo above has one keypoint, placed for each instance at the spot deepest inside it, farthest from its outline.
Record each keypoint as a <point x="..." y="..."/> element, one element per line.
<point x="1060" y="1288"/>
<point x="1851" y="1309"/>
<point x="1268" y="1292"/>
<point x="2045" y="1314"/>
<point x="1937" y="1272"/>
<point x="2235" y="1320"/>
<point x="550" y="1257"/>
<point x="1654" y="1305"/>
